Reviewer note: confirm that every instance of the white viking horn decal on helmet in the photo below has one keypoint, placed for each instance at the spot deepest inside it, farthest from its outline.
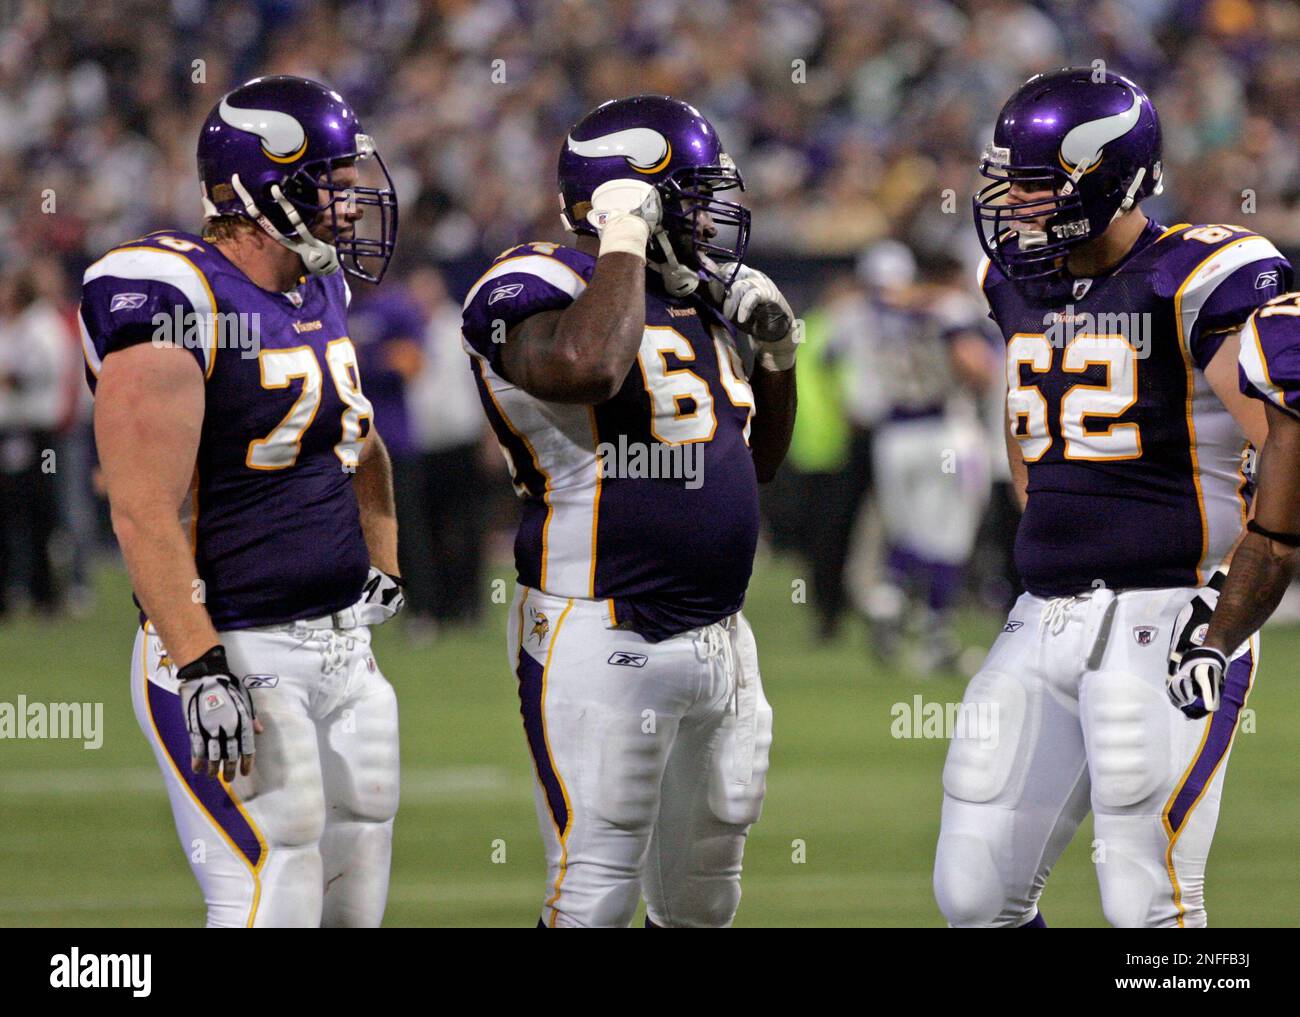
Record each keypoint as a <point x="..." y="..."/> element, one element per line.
<point x="644" y="149"/>
<point x="282" y="136"/>
<point x="1081" y="147"/>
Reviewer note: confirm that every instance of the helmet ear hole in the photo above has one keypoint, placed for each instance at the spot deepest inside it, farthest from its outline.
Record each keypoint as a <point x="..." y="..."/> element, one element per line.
<point x="300" y="191"/>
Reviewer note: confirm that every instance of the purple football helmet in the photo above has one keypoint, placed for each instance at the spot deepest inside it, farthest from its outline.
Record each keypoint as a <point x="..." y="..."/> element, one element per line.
<point x="270" y="147"/>
<point x="1093" y="140"/>
<point x="669" y="144"/>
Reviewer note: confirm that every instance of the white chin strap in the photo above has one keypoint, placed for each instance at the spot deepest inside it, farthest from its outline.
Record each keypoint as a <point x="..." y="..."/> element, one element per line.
<point x="1127" y="203"/>
<point x="318" y="257"/>
<point x="679" y="280"/>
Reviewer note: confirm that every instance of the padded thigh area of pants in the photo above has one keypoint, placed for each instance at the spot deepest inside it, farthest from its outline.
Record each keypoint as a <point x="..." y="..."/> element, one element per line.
<point x="982" y="755"/>
<point x="1126" y="726"/>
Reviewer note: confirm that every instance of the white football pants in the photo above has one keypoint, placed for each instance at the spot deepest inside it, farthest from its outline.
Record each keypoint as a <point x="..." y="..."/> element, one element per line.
<point x="305" y="839"/>
<point x="1070" y="712"/>
<point x="651" y="761"/>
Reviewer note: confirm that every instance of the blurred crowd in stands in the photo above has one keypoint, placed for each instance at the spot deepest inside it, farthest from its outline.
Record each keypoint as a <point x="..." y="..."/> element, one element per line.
<point x="857" y="124"/>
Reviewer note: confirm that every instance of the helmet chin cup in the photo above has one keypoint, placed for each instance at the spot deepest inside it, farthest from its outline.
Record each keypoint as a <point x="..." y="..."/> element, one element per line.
<point x="318" y="257"/>
<point x="679" y="280"/>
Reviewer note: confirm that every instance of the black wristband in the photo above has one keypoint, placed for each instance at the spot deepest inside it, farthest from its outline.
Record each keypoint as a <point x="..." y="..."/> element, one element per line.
<point x="210" y="663"/>
<point x="1289" y="539"/>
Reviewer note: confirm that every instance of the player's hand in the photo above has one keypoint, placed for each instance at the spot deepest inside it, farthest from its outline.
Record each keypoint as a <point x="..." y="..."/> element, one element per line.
<point x="219" y="714"/>
<point x="1197" y="687"/>
<point x="618" y="200"/>
<point x="381" y="598"/>
<point x="1194" y="619"/>
<point x="756" y="306"/>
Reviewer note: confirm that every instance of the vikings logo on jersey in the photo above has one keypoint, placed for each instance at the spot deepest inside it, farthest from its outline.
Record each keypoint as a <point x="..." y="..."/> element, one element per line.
<point x="670" y="552"/>
<point x="1134" y="464"/>
<point x="273" y="517"/>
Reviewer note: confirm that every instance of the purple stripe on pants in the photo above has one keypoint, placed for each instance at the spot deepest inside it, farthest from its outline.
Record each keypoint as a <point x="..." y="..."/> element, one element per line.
<point x="1222" y="723"/>
<point x="169" y="719"/>
<point x="530" y="674"/>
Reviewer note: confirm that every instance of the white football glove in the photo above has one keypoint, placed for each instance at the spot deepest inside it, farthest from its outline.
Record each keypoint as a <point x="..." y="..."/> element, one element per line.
<point x="381" y="598"/>
<point x="1197" y="687"/>
<point x="757" y="306"/>
<point x="219" y="715"/>
<point x="1194" y="619"/>
<point x="625" y="213"/>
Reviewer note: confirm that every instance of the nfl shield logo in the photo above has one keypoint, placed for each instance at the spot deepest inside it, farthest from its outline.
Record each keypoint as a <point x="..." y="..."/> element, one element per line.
<point x="1144" y="634"/>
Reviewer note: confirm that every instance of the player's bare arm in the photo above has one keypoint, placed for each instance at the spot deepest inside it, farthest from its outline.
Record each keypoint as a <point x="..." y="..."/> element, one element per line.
<point x="756" y="306"/>
<point x="1019" y="471"/>
<point x="583" y="353"/>
<point x="373" y="484"/>
<point x="1265" y="560"/>
<point x="148" y="419"/>
<point x="1221" y="373"/>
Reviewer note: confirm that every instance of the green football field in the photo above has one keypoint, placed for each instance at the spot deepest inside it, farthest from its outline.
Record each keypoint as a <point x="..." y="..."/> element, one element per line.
<point x="847" y="834"/>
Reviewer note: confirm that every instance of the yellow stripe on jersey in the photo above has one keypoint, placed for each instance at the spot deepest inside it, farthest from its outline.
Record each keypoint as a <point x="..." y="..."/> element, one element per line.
<point x="1255" y="365"/>
<point x="1171" y="231"/>
<point x="532" y="454"/>
<point x="129" y="267"/>
<point x="1234" y="255"/>
<point x="547" y="268"/>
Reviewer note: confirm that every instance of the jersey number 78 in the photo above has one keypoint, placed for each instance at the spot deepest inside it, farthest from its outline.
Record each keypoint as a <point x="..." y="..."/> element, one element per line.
<point x="278" y="367"/>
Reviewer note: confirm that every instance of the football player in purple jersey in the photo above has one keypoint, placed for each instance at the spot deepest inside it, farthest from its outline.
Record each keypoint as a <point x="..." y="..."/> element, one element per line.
<point x="1265" y="561"/>
<point x="613" y="374"/>
<point x="1126" y="432"/>
<point x="252" y="499"/>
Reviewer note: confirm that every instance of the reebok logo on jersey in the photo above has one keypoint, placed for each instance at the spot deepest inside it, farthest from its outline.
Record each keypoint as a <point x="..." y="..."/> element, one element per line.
<point x="262" y="681"/>
<point x="127" y="302"/>
<point x="1012" y="626"/>
<point x="1266" y="280"/>
<point x="622" y="658"/>
<point x="504" y="292"/>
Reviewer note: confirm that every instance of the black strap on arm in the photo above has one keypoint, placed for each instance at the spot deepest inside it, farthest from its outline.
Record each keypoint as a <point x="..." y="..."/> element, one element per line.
<point x="1289" y="539"/>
